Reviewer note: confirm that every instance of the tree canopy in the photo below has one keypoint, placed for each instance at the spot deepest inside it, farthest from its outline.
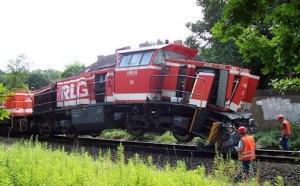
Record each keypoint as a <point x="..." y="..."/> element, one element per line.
<point x="277" y="48"/>
<point x="40" y="78"/>
<point x="211" y="49"/>
<point x="17" y="73"/>
<point x="3" y="94"/>
<point x="2" y="76"/>
<point x="72" y="69"/>
<point x="19" y="77"/>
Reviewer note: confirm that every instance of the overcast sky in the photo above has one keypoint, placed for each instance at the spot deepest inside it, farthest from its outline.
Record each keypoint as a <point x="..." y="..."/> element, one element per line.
<point x="54" y="33"/>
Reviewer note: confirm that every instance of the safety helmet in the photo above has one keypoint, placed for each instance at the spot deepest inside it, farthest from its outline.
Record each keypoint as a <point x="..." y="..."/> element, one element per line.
<point x="242" y="129"/>
<point x="280" y="116"/>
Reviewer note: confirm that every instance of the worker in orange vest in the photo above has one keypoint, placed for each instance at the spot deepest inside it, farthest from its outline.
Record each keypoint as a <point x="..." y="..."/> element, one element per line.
<point x="285" y="129"/>
<point x="246" y="149"/>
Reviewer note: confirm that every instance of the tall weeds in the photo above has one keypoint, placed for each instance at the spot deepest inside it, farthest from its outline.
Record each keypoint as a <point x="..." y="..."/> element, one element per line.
<point x="33" y="163"/>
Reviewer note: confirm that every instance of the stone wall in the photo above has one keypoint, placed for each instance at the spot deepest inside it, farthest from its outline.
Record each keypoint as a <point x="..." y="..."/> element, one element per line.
<point x="267" y="104"/>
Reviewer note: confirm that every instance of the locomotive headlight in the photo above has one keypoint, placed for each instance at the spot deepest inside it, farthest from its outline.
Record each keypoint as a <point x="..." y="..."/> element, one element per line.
<point x="229" y="127"/>
<point x="251" y="122"/>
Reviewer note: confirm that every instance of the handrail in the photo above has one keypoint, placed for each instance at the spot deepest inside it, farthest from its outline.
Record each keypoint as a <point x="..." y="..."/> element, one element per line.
<point x="178" y="90"/>
<point x="77" y="98"/>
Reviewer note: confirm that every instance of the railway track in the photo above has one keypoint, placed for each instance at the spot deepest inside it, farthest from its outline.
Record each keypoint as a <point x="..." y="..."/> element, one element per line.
<point x="278" y="155"/>
<point x="265" y="155"/>
<point x="176" y="149"/>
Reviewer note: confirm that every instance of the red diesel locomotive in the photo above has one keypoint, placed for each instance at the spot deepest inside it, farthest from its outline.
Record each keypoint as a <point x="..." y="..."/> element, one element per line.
<point x="20" y="106"/>
<point x="150" y="89"/>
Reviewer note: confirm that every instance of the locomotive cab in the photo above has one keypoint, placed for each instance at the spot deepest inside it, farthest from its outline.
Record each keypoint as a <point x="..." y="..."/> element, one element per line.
<point x="143" y="74"/>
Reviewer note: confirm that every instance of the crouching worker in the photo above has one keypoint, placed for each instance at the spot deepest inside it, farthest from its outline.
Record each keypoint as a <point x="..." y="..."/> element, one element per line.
<point x="246" y="149"/>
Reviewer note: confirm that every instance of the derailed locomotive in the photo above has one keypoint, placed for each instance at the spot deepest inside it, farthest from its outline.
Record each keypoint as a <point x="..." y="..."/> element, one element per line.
<point x="150" y="89"/>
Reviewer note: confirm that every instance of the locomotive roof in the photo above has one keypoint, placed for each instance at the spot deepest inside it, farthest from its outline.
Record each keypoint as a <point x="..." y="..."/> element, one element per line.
<point x="172" y="47"/>
<point x="102" y="62"/>
<point x="111" y="60"/>
<point x="142" y="48"/>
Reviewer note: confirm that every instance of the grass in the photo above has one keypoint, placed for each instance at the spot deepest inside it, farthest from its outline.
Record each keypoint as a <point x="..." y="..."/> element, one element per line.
<point x="166" y="137"/>
<point x="32" y="163"/>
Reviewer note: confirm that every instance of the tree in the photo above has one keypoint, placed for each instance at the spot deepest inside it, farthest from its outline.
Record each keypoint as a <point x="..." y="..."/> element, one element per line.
<point x="211" y="49"/>
<point x="53" y="75"/>
<point x="279" y="50"/>
<point x="2" y="76"/>
<point x="3" y="94"/>
<point x="72" y="69"/>
<point x="17" y="73"/>
<point x="41" y="78"/>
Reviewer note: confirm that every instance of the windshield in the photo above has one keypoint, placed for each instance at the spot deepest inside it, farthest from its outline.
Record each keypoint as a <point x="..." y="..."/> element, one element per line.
<point x="136" y="58"/>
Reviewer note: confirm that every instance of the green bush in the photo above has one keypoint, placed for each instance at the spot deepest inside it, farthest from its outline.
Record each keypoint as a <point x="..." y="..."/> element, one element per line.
<point x="267" y="140"/>
<point x="295" y="136"/>
<point x="167" y="137"/>
<point x="270" y="139"/>
<point x="115" y="134"/>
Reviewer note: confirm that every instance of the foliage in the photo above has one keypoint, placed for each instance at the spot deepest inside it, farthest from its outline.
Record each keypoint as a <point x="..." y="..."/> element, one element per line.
<point x="277" y="47"/>
<point x="270" y="139"/>
<point x="295" y="136"/>
<point x="41" y="78"/>
<point x="286" y="84"/>
<point x="121" y="134"/>
<point x="3" y="94"/>
<point x="225" y="169"/>
<point x="72" y="69"/>
<point x="115" y="134"/>
<point x="2" y="76"/>
<point x="166" y="137"/>
<point x="267" y="140"/>
<point x="33" y="163"/>
<point x="18" y="76"/>
<point x="17" y="73"/>
<point x="211" y="49"/>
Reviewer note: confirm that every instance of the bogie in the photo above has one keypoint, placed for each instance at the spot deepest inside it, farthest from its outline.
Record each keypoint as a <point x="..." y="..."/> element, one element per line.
<point x="71" y="133"/>
<point x="136" y="132"/>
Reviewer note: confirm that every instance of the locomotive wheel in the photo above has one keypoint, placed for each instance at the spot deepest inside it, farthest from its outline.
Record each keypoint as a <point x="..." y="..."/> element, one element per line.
<point x="43" y="133"/>
<point x="187" y="137"/>
<point x="136" y="132"/>
<point x="46" y="135"/>
<point x="94" y="135"/>
<point x="71" y="133"/>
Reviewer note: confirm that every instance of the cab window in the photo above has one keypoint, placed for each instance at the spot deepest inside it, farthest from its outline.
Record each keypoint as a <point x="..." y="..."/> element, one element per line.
<point x="146" y="58"/>
<point x="125" y="60"/>
<point x="162" y="55"/>
<point x="173" y="55"/>
<point x="136" y="59"/>
<point x="159" y="57"/>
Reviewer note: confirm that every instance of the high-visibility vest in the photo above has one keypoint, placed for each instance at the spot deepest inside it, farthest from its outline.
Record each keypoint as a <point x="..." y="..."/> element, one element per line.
<point x="287" y="130"/>
<point x="248" y="152"/>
